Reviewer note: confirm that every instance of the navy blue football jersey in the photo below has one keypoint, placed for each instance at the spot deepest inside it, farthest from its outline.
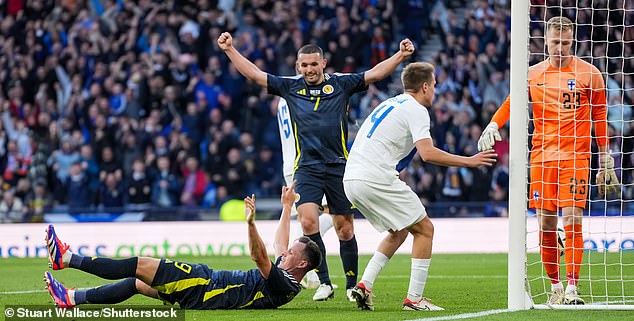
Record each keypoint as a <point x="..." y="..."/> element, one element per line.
<point x="318" y="114"/>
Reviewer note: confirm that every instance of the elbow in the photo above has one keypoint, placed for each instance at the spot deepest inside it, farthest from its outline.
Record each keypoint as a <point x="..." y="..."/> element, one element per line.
<point x="426" y="156"/>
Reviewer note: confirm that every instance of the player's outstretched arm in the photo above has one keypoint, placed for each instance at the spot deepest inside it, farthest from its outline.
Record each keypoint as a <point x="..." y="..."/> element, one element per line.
<point x="244" y="66"/>
<point x="283" y="228"/>
<point x="429" y="153"/>
<point x="256" y="245"/>
<point x="491" y="133"/>
<point x="387" y="66"/>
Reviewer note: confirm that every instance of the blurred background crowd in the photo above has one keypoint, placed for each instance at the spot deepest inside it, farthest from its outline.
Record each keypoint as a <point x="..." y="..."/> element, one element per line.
<point x="117" y="105"/>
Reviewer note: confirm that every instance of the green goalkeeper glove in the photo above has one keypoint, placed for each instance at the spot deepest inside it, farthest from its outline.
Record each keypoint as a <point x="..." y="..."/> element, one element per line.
<point x="606" y="178"/>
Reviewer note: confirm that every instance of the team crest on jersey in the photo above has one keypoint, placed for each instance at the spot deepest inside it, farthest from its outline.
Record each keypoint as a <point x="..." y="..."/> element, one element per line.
<point x="535" y="196"/>
<point x="328" y="89"/>
<point x="297" y="197"/>
<point x="572" y="84"/>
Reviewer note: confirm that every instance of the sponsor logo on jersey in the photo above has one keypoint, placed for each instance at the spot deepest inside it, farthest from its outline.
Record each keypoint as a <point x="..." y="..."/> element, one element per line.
<point x="315" y="92"/>
<point x="302" y="92"/>
<point x="328" y="89"/>
<point x="535" y="196"/>
<point x="572" y="84"/>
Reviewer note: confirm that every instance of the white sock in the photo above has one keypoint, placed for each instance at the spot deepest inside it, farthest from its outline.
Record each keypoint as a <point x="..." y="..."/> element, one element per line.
<point x="71" y="296"/>
<point x="377" y="262"/>
<point x="325" y="223"/>
<point x="554" y="286"/>
<point x="571" y="288"/>
<point x="417" y="279"/>
<point x="66" y="258"/>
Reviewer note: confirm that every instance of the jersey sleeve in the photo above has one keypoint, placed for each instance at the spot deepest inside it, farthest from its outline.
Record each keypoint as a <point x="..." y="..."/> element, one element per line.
<point x="352" y="83"/>
<point x="503" y="113"/>
<point x="276" y="85"/>
<point x="280" y="281"/>
<point x="420" y="125"/>
<point x="598" y="102"/>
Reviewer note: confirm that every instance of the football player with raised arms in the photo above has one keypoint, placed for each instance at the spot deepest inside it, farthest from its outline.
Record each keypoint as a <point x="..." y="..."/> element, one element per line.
<point x="318" y="104"/>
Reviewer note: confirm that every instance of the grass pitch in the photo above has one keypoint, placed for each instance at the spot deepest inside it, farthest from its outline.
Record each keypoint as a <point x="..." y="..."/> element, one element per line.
<point x="461" y="283"/>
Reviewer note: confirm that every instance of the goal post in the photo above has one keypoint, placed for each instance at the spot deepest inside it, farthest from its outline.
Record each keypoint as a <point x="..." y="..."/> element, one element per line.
<point x="604" y="37"/>
<point x="518" y="156"/>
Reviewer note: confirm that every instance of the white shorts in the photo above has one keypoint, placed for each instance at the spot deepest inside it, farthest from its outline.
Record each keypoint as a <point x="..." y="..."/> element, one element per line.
<point x="289" y="180"/>
<point x="387" y="207"/>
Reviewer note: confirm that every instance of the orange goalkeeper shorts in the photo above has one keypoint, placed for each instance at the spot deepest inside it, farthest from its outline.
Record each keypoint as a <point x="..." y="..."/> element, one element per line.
<point x="559" y="184"/>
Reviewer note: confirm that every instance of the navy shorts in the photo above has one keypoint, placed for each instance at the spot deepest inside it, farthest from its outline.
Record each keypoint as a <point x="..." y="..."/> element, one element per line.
<point x="313" y="181"/>
<point x="169" y="280"/>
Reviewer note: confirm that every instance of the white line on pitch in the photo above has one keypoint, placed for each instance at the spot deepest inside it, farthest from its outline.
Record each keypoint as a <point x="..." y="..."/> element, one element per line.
<point x="23" y="292"/>
<point x="438" y="276"/>
<point x="465" y="315"/>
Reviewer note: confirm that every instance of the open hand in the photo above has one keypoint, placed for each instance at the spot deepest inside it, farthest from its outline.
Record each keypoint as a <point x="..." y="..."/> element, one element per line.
<point x="485" y="158"/>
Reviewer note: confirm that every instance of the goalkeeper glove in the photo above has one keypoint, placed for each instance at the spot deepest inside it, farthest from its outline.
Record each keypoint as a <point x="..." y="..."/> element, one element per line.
<point x="606" y="178"/>
<point x="489" y="136"/>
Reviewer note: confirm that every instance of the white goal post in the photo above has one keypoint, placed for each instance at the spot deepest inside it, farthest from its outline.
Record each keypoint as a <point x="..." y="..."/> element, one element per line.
<point x="518" y="157"/>
<point x="607" y="272"/>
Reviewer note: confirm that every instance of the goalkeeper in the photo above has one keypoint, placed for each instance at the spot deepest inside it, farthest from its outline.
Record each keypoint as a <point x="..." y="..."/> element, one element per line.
<point x="568" y="98"/>
<point x="194" y="286"/>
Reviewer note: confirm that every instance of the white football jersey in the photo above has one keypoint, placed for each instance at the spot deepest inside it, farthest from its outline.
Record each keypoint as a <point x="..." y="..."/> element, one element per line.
<point x="386" y="136"/>
<point x="286" y="136"/>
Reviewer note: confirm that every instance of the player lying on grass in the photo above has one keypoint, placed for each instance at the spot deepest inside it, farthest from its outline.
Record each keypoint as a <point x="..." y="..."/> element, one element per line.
<point x="194" y="286"/>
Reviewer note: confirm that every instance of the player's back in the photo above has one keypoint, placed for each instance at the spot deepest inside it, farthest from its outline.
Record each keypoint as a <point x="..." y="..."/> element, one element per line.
<point x="286" y="137"/>
<point x="386" y="136"/>
<point x="562" y="110"/>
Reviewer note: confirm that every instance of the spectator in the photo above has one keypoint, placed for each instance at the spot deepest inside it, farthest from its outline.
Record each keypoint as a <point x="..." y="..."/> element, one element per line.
<point x="15" y="164"/>
<point x="234" y="174"/>
<point x="165" y="187"/>
<point x="194" y="183"/>
<point x="139" y="185"/>
<point x="38" y="201"/>
<point x="111" y="193"/>
<point x="77" y="189"/>
<point x="11" y="208"/>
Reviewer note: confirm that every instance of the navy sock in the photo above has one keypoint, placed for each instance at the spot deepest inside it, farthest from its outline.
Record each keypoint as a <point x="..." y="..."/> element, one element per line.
<point x="104" y="267"/>
<point x="108" y="294"/>
<point x="322" y="269"/>
<point x="350" y="260"/>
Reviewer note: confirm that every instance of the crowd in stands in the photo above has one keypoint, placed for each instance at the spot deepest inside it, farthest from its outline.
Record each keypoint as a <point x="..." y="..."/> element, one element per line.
<point x="110" y="104"/>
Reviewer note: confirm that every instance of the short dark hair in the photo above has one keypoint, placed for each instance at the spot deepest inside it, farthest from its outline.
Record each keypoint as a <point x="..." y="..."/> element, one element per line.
<point x="311" y="252"/>
<point x="415" y="74"/>
<point x="310" y="49"/>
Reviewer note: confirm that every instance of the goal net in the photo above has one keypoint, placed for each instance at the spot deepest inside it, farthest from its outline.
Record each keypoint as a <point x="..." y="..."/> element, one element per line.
<point x="552" y="128"/>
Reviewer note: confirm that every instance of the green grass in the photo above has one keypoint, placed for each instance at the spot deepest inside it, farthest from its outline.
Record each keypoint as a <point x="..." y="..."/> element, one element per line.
<point x="465" y="283"/>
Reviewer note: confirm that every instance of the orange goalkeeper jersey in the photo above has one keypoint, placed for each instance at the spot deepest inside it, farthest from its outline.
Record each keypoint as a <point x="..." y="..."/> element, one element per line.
<point x="565" y="103"/>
